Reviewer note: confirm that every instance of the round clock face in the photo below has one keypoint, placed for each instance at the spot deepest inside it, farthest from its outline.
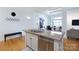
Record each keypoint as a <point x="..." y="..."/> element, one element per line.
<point x="13" y="13"/>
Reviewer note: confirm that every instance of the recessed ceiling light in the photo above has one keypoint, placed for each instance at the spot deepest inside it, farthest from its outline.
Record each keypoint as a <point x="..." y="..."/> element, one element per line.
<point x="28" y="17"/>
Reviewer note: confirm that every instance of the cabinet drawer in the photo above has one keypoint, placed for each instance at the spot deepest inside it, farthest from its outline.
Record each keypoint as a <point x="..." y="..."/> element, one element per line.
<point x="32" y="36"/>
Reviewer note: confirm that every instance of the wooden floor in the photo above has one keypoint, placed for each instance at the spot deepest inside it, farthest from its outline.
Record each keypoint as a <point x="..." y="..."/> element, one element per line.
<point x="15" y="44"/>
<point x="71" y="44"/>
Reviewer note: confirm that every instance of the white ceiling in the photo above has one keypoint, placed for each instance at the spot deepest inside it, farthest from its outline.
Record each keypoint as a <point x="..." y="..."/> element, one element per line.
<point x="31" y="9"/>
<point x="36" y="9"/>
<point x="42" y="9"/>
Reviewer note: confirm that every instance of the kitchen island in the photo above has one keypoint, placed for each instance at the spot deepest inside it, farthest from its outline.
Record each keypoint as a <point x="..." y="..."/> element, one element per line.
<point x="44" y="40"/>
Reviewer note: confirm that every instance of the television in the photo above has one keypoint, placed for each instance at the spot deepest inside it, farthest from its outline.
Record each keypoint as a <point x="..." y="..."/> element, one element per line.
<point x="75" y="22"/>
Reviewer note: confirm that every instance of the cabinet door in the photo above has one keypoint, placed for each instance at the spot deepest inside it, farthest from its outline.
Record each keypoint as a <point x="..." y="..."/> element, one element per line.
<point x="45" y="45"/>
<point x="32" y="41"/>
<point x="42" y="45"/>
<point x="35" y="43"/>
<point x="50" y="46"/>
<point x="29" y="40"/>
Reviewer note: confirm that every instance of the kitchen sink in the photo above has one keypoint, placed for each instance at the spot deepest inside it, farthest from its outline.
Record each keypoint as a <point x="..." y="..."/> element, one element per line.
<point x="37" y="31"/>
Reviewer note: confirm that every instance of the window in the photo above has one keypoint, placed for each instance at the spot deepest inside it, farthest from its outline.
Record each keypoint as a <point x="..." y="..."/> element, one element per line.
<point x="57" y="22"/>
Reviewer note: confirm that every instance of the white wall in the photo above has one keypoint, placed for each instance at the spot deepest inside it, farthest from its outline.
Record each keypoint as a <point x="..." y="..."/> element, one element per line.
<point x="23" y="23"/>
<point x="15" y="26"/>
<point x="72" y="14"/>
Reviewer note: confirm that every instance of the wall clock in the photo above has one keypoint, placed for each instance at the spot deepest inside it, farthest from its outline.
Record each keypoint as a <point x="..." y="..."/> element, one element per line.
<point x="13" y="14"/>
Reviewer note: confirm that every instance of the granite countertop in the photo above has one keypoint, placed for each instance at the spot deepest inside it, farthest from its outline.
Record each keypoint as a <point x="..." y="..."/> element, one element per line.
<point x="53" y="35"/>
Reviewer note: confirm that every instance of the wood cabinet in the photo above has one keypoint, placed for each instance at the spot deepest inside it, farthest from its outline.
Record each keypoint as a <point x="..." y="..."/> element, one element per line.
<point x="38" y="43"/>
<point x="45" y="45"/>
<point x="50" y="46"/>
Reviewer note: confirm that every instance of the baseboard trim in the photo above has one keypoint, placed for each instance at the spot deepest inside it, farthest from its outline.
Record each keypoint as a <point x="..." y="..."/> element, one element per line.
<point x="30" y="48"/>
